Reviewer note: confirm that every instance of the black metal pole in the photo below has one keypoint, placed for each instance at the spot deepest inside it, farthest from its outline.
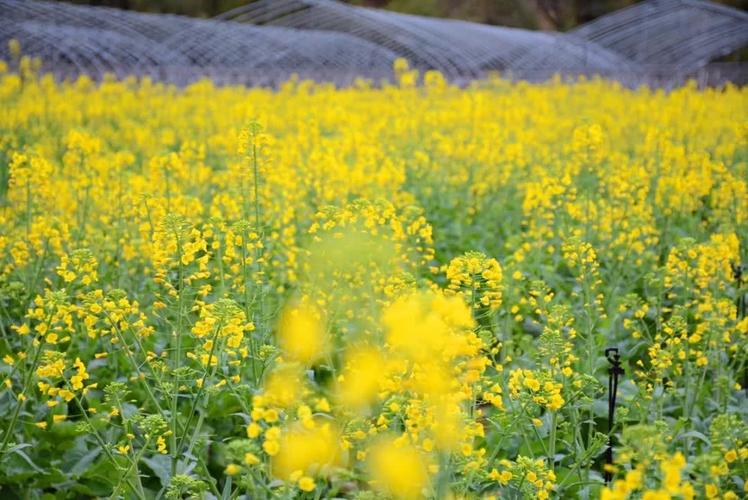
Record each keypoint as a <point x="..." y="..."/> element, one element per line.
<point x="740" y="306"/>
<point x="615" y="370"/>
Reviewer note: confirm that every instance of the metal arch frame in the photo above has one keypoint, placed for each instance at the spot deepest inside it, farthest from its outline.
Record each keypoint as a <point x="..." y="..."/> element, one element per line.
<point x="653" y="25"/>
<point x="32" y="40"/>
<point x="328" y="40"/>
<point x="468" y="49"/>
<point x="91" y="63"/>
<point x="181" y="47"/>
<point x="357" y="23"/>
<point x="270" y="40"/>
<point x="80" y="19"/>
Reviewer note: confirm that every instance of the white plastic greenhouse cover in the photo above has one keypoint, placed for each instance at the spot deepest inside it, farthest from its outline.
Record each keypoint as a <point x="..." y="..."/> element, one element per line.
<point x="681" y="34"/>
<point x="72" y="40"/>
<point x="267" y="41"/>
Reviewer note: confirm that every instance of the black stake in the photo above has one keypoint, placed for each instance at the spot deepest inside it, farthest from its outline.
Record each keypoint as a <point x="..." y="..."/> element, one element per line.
<point x="740" y="305"/>
<point x="611" y="354"/>
<point x="740" y="302"/>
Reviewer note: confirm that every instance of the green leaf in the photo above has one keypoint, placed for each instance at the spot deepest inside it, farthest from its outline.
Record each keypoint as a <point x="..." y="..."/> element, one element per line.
<point x="18" y="450"/>
<point x="161" y="467"/>
<point x="697" y="435"/>
<point x="93" y="486"/>
<point x="85" y="461"/>
<point x="226" y="493"/>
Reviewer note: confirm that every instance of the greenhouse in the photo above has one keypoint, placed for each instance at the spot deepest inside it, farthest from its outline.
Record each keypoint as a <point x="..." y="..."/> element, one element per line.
<point x="265" y="42"/>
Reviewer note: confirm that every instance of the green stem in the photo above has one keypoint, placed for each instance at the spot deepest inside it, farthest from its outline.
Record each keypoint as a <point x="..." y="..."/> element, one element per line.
<point x="28" y="209"/>
<point x="19" y="404"/>
<point x="552" y="441"/>
<point x="176" y="360"/>
<point x="259" y="229"/>
<point x="133" y="463"/>
<point x="200" y="391"/>
<point x="100" y="440"/>
<point x="134" y="364"/>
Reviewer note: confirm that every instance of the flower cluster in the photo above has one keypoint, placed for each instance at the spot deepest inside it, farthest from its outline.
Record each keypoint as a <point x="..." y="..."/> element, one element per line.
<point x="403" y="290"/>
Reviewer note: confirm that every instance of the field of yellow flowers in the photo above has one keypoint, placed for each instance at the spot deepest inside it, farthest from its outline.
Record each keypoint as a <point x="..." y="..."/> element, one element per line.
<point x="402" y="291"/>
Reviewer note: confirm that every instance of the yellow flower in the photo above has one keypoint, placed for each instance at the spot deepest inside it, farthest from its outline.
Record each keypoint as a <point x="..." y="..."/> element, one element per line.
<point x="283" y="386"/>
<point x="302" y="334"/>
<point x="271" y="447"/>
<point x="312" y="451"/>
<point x="253" y="430"/>
<point x="556" y="402"/>
<point x="397" y="469"/>
<point x="66" y="394"/>
<point x="270" y="416"/>
<point x="161" y="445"/>
<point x="711" y="490"/>
<point x="532" y="384"/>
<point x="360" y="380"/>
<point x="505" y="477"/>
<point x="306" y="483"/>
<point x="633" y="479"/>
<point x="77" y="379"/>
<point x="656" y="495"/>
